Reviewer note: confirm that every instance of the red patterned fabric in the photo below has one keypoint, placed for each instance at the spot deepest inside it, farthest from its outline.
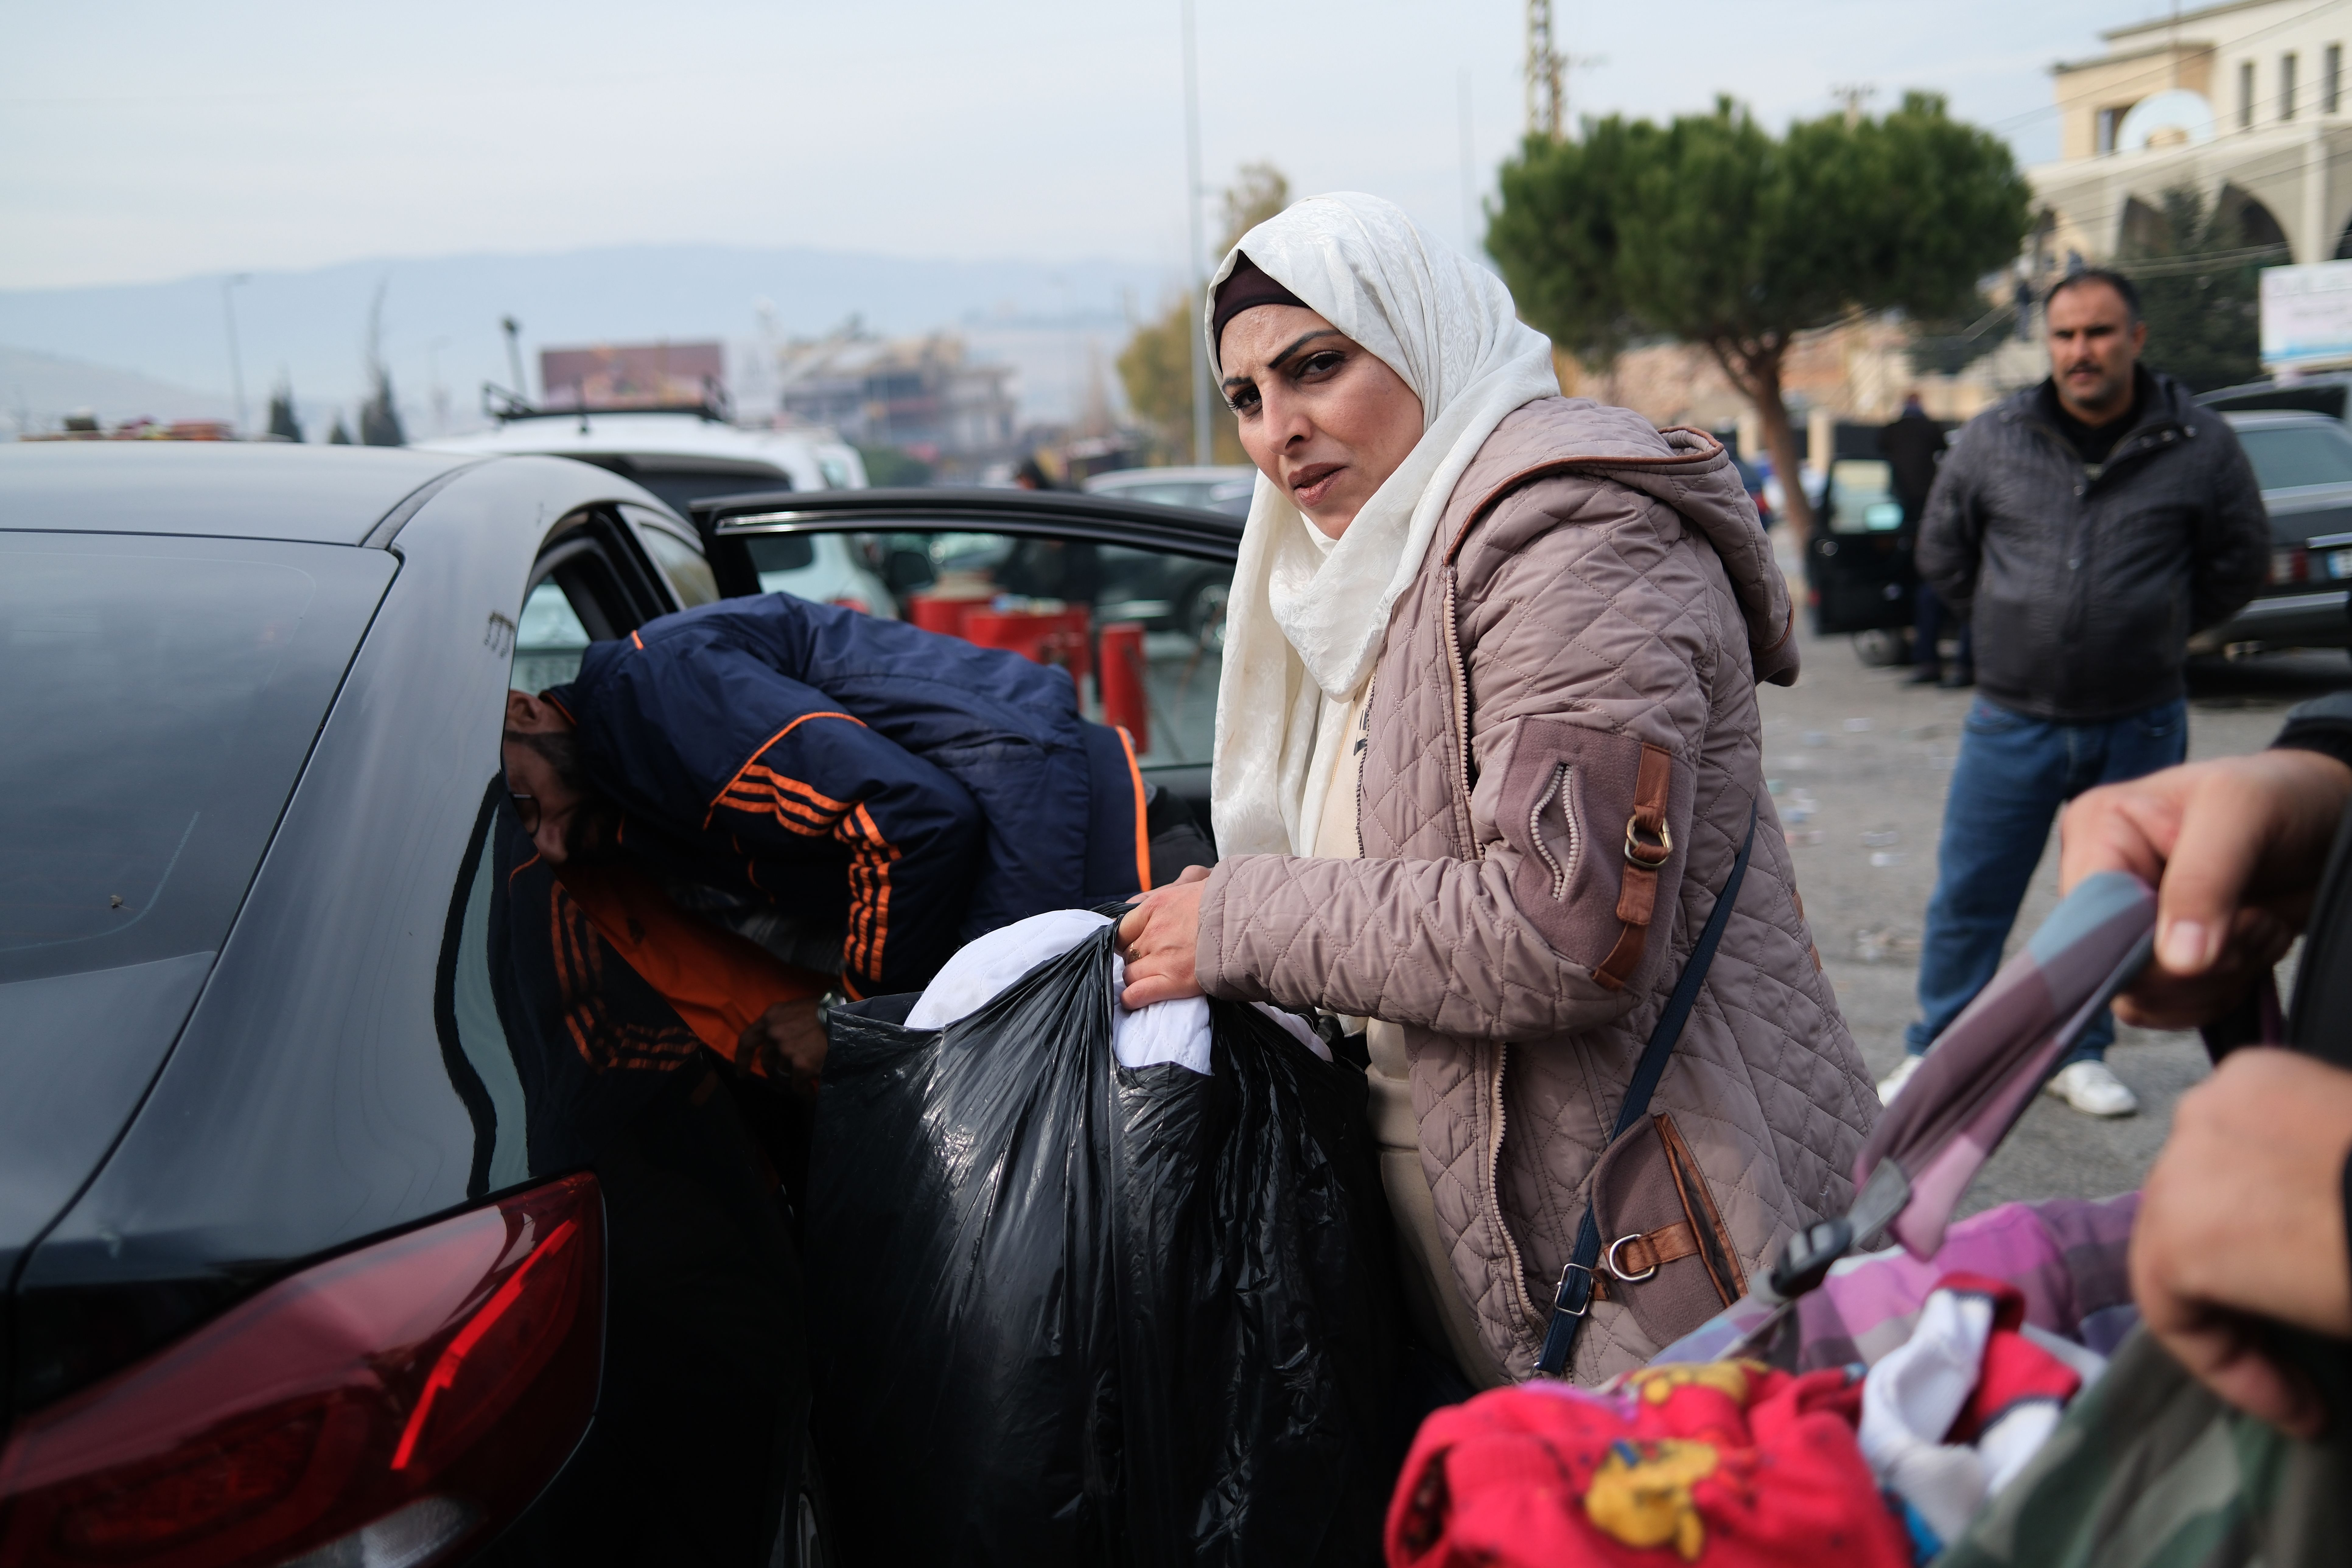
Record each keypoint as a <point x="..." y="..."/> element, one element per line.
<point x="1722" y="1463"/>
<point x="2015" y="1369"/>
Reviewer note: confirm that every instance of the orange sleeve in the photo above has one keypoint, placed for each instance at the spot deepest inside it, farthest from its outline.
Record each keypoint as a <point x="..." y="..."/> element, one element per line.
<point x="718" y="983"/>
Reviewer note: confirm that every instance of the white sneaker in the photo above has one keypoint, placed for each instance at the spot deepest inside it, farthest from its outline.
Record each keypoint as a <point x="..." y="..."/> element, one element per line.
<point x="1892" y="1084"/>
<point x="2094" y="1091"/>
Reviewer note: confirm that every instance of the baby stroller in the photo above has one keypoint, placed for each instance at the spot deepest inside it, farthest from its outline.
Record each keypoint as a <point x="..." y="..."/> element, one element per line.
<point x="1904" y="1405"/>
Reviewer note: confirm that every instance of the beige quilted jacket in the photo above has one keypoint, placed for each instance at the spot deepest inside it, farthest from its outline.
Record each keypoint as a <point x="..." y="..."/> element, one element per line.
<point x="1594" y="587"/>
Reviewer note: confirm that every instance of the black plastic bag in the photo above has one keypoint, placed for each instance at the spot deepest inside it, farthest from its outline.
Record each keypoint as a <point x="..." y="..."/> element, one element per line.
<point x="1065" y="1311"/>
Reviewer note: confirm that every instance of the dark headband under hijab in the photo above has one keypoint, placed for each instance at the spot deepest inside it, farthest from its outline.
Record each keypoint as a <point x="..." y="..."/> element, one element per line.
<point x="1246" y="288"/>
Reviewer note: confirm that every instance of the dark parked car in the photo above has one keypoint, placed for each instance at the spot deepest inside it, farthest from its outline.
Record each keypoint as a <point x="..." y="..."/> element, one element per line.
<point x="358" y="1204"/>
<point x="2304" y="462"/>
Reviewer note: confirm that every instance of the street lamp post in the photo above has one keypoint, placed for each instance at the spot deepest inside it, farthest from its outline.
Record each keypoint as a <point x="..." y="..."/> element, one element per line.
<point x="1201" y="448"/>
<point x="236" y="364"/>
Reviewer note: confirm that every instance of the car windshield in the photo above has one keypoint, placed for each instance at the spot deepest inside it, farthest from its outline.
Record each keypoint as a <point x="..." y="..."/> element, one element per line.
<point x="2290" y="456"/>
<point x="161" y="696"/>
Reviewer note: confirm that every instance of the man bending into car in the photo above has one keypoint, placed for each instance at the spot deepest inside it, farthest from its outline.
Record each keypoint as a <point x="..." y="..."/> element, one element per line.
<point x="856" y="796"/>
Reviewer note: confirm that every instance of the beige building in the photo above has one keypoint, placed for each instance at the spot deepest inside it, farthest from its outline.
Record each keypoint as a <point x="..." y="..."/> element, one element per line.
<point x="2245" y="104"/>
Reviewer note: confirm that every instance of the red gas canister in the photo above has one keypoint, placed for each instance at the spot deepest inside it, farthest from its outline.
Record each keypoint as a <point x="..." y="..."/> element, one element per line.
<point x="945" y="612"/>
<point x="1048" y="636"/>
<point x="1121" y="680"/>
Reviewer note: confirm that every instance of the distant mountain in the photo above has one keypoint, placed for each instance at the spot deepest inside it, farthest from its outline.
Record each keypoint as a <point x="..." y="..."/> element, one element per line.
<point x="39" y="389"/>
<point x="441" y="314"/>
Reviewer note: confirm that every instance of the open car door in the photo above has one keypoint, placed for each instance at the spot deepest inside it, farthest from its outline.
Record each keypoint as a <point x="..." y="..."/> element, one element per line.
<point x="1129" y="597"/>
<point x="1859" y="575"/>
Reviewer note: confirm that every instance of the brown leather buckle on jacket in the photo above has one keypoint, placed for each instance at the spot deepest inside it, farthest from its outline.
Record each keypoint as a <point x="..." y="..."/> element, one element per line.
<point x="1634" y="1258"/>
<point x="1647" y="855"/>
<point x="1637" y="896"/>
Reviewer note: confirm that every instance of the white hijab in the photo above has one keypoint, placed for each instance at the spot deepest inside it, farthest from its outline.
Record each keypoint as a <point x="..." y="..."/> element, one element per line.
<point x="1307" y="615"/>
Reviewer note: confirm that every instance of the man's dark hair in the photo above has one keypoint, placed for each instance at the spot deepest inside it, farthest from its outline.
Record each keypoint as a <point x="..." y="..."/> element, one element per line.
<point x="2126" y="290"/>
<point x="560" y="751"/>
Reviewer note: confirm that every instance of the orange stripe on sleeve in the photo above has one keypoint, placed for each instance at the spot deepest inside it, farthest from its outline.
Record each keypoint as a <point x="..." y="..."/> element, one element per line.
<point x="639" y="640"/>
<point x="871" y="856"/>
<point x="763" y="746"/>
<point x="1142" y="837"/>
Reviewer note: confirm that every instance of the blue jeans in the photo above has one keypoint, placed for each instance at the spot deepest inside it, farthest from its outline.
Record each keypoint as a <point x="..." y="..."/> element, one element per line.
<point x="2012" y="775"/>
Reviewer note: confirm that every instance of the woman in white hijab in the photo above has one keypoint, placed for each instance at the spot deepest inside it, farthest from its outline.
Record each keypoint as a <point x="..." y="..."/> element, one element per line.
<point x="1486" y="760"/>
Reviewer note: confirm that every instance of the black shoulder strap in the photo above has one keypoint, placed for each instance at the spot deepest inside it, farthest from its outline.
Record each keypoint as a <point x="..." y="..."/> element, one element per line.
<point x="1574" y="1298"/>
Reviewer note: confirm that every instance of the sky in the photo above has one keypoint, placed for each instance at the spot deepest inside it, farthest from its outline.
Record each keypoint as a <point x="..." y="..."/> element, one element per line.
<point x="142" y="142"/>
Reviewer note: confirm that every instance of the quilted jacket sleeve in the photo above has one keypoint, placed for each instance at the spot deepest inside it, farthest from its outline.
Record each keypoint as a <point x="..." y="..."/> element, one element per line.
<point x="1591" y="624"/>
<point x="700" y="734"/>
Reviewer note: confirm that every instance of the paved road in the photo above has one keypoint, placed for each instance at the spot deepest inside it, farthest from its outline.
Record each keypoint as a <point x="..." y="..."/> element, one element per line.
<point x="1864" y="761"/>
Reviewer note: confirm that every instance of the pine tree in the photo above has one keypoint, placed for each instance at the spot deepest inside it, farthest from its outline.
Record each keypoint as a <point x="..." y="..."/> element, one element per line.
<point x="1714" y="231"/>
<point x="339" y="437"/>
<point x="282" y="422"/>
<point x="379" y="417"/>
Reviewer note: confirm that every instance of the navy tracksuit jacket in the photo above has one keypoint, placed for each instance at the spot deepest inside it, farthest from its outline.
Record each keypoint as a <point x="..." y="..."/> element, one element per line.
<point x="916" y="788"/>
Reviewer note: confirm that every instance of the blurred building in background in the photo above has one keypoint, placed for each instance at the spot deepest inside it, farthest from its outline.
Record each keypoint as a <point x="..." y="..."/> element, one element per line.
<point x="2244" y="103"/>
<point x="614" y="376"/>
<point x="923" y="395"/>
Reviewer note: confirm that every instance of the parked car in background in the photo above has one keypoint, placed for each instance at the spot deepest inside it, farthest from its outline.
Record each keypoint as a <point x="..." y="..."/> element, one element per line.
<point x="2303" y="463"/>
<point x="681" y="455"/>
<point x="1221" y="489"/>
<point x="1860" y="578"/>
<point x="2325" y="393"/>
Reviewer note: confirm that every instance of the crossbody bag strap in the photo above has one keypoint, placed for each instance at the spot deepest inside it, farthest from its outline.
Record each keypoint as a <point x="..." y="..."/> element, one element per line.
<point x="1574" y="1298"/>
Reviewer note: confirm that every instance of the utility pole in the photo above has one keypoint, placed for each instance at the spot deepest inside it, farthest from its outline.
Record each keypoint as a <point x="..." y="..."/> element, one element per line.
<point x="236" y="362"/>
<point x="1546" y="95"/>
<point x="1201" y="446"/>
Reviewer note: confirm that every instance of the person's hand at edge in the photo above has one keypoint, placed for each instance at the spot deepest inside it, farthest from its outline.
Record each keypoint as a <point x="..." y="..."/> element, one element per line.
<point x="1159" y="939"/>
<point x="786" y="1044"/>
<point x="2234" y="849"/>
<point x="2243" y="1219"/>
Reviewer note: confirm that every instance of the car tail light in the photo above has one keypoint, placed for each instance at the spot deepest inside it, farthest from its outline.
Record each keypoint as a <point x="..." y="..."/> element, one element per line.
<point x="385" y="1408"/>
<point x="2291" y="565"/>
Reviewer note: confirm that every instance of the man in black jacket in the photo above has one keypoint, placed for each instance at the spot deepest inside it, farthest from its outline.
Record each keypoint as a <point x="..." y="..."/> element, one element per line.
<point x="2086" y="526"/>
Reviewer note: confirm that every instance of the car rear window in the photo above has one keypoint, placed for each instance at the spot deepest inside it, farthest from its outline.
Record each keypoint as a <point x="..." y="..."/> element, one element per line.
<point x="159" y="699"/>
<point x="681" y="487"/>
<point x="2290" y="456"/>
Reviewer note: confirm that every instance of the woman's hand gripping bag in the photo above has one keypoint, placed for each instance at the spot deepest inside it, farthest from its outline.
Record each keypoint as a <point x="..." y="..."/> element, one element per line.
<point x="1065" y="1311"/>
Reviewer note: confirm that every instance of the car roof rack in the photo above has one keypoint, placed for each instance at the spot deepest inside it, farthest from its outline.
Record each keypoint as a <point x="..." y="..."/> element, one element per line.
<point x="506" y="408"/>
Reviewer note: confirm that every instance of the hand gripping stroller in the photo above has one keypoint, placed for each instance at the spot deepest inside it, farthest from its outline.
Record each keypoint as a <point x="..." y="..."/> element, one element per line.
<point x="1984" y="1071"/>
